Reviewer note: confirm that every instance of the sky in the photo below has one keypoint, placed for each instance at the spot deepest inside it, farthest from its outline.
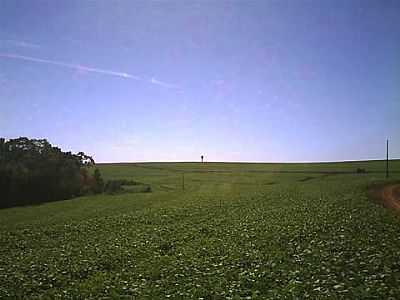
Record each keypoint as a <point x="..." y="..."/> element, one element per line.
<point x="260" y="81"/>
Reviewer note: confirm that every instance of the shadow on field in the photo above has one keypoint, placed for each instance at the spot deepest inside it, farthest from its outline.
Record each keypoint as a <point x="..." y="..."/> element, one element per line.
<point x="308" y="178"/>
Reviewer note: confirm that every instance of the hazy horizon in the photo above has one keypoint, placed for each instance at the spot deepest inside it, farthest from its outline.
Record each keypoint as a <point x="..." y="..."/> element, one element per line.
<point x="237" y="81"/>
<point x="254" y="162"/>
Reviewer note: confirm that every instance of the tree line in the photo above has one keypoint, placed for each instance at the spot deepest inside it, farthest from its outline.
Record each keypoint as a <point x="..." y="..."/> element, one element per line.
<point x="33" y="171"/>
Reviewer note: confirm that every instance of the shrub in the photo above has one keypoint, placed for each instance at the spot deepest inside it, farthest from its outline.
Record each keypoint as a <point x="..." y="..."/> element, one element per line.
<point x="99" y="183"/>
<point x="113" y="186"/>
<point x="361" y="170"/>
<point x="147" y="189"/>
<point x="117" y="186"/>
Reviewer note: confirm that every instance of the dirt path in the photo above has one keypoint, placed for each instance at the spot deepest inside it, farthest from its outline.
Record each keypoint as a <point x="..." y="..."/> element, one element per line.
<point x="390" y="196"/>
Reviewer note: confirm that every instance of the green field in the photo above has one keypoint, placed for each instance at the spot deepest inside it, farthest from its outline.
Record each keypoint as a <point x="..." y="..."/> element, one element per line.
<point x="236" y="231"/>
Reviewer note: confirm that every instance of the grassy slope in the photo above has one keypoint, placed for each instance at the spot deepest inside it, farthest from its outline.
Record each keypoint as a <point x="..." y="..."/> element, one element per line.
<point x="237" y="230"/>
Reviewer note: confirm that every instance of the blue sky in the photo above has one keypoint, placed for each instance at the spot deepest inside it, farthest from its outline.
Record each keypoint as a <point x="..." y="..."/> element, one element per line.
<point x="233" y="80"/>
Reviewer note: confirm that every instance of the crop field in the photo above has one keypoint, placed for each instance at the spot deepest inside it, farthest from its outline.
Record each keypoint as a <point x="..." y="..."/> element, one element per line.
<point x="210" y="231"/>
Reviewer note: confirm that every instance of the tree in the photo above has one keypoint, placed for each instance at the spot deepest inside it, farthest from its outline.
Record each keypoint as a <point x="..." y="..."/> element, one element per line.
<point x="85" y="159"/>
<point x="33" y="171"/>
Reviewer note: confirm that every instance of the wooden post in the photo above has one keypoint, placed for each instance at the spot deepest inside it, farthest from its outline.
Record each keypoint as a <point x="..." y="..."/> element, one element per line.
<point x="387" y="158"/>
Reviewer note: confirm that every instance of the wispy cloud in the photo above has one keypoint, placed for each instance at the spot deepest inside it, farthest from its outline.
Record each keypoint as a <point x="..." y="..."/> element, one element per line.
<point x="70" y="66"/>
<point x="19" y="43"/>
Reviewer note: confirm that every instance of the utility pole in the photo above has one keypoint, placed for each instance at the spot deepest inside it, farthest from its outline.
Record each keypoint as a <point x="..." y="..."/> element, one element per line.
<point x="387" y="158"/>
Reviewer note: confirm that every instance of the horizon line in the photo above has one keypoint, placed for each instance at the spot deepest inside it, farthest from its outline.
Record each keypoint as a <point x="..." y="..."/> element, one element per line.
<point x="255" y="162"/>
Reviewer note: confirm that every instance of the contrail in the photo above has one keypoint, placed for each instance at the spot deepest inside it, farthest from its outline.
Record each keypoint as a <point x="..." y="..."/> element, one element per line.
<point x="70" y="66"/>
<point x="164" y="84"/>
<point x="89" y="69"/>
<point x="19" y="43"/>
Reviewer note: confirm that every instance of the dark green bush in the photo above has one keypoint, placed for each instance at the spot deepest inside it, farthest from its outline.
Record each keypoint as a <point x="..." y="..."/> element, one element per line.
<point x="33" y="171"/>
<point x="115" y="186"/>
<point x="147" y="189"/>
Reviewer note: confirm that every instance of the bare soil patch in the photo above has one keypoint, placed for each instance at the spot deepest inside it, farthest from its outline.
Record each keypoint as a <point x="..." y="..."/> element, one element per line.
<point x="387" y="194"/>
